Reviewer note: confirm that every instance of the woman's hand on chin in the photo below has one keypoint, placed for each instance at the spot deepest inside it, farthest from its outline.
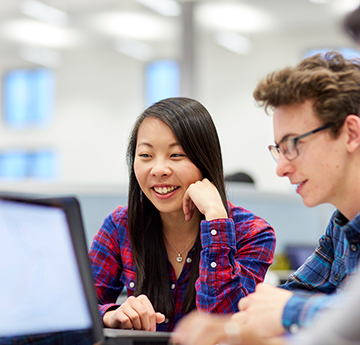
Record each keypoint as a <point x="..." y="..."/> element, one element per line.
<point x="204" y="196"/>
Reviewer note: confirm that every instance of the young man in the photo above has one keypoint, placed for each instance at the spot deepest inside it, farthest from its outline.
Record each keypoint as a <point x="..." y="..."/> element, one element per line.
<point x="317" y="146"/>
<point x="317" y="136"/>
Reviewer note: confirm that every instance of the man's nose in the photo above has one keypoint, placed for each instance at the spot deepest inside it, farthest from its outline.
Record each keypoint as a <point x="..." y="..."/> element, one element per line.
<point x="284" y="166"/>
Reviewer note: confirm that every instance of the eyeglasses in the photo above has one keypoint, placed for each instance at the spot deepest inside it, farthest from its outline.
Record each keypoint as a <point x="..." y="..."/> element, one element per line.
<point x="288" y="146"/>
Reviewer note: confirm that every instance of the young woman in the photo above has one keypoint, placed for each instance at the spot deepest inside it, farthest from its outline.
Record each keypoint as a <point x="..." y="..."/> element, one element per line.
<point x="179" y="244"/>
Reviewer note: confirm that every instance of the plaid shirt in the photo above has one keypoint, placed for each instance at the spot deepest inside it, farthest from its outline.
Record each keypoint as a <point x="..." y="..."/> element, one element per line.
<point x="236" y="253"/>
<point x="324" y="272"/>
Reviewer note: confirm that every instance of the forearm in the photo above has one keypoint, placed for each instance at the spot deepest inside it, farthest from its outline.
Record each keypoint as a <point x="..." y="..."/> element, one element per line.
<point x="226" y="273"/>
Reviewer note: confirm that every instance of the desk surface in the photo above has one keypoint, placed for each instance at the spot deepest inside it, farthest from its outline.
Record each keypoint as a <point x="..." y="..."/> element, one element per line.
<point x="130" y="337"/>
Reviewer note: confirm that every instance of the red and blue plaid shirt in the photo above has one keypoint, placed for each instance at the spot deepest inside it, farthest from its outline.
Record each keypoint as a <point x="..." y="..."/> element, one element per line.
<point x="236" y="253"/>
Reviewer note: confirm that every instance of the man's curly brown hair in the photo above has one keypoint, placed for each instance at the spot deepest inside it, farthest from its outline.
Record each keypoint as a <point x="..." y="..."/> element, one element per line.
<point x="330" y="81"/>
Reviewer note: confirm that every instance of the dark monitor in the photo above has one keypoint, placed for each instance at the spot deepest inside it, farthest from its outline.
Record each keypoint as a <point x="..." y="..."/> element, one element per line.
<point x="44" y="294"/>
<point x="47" y="293"/>
<point x="297" y="254"/>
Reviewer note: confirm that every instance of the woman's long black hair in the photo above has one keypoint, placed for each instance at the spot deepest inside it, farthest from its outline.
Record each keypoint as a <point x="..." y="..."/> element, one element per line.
<point x="196" y="133"/>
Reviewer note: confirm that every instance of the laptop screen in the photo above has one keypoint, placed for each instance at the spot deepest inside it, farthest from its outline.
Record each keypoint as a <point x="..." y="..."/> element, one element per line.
<point x="41" y="290"/>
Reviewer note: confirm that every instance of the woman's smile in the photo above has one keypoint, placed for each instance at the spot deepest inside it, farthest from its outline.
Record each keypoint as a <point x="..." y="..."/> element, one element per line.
<point x="164" y="190"/>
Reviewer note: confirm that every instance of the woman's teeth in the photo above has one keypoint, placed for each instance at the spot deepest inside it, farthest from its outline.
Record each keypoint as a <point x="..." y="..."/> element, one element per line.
<point x="164" y="190"/>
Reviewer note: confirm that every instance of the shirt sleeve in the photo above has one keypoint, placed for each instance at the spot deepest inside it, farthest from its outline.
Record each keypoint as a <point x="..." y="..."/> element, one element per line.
<point x="106" y="266"/>
<point x="315" y="273"/>
<point x="338" y="324"/>
<point x="312" y="284"/>
<point x="301" y="309"/>
<point x="236" y="253"/>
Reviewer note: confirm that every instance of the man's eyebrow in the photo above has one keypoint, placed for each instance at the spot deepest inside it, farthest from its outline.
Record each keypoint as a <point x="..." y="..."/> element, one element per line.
<point x="285" y="137"/>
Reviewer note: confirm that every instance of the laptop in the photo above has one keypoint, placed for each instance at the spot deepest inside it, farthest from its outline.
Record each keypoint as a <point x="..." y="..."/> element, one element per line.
<point x="47" y="294"/>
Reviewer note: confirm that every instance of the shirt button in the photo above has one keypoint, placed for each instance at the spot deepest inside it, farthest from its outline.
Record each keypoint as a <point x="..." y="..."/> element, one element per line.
<point x="213" y="232"/>
<point x="172" y="286"/>
<point x="353" y="247"/>
<point x="188" y="260"/>
<point x="131" y="284"/>
<point x="337" y="276"/>
<point x="213" y="264"/>
<point x="166" y="320"/>
<point x="294" y="328"/>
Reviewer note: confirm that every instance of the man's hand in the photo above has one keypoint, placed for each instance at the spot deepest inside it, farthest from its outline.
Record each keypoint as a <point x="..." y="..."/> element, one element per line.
<point x="195" y="329"/>
<point x="134" y="313"/>
<point x="263" y="310"/>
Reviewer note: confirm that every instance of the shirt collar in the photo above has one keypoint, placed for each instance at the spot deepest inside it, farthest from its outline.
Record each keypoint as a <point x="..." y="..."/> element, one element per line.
<point x="340" y="219"/>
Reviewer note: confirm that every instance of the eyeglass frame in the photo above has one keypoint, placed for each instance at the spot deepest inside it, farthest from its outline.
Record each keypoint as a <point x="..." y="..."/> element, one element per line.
<point x="295" y="141"/>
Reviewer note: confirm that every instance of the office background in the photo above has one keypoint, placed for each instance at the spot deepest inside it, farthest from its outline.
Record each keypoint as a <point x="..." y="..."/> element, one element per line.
<point x="99" y="53"/>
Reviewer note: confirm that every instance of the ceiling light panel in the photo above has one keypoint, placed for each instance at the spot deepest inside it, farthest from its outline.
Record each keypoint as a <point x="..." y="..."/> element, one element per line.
<point x="41" y="34"/>
<point x="232" y="16"/>
<point x="43" y="12"/>
<point x="134" y="25"/>
<point x="340" y="7"/>
<point x="234" y="42"/>
<point x="168" y="8"/>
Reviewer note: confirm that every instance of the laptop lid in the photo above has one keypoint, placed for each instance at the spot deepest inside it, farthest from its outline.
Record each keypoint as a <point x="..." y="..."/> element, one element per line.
<point x="48" y="293"/>
<point x="47" y="287"/>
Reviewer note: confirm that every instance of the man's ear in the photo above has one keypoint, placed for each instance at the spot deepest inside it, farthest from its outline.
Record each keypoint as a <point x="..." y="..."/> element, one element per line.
<point x="352" y="129"/>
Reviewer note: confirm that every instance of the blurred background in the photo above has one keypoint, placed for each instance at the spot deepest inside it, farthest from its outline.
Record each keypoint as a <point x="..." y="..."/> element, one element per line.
<point x="77" y="73"/>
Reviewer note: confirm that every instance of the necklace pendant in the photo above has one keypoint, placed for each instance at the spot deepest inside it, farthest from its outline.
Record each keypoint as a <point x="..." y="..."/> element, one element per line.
<point x="179" y="258"/>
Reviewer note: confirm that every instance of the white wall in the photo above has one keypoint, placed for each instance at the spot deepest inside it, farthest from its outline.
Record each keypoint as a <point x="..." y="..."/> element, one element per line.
<point x="100" y="93"/>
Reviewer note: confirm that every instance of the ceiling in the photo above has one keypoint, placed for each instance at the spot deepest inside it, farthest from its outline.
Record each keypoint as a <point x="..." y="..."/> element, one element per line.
<point x="96" y="23"/>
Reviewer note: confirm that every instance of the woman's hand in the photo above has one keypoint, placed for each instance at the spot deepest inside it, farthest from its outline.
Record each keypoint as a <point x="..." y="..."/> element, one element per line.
<point x="134" y="313"/>
<point x="206" y="198"/>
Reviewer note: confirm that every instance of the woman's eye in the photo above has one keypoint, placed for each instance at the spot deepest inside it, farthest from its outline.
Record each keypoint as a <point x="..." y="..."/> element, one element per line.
<point x="176" y="155"/>
<point x="144" y="155"/>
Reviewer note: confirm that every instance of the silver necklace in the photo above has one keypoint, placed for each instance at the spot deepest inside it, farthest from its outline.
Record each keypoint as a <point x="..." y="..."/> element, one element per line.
<point x="179" y="257"/>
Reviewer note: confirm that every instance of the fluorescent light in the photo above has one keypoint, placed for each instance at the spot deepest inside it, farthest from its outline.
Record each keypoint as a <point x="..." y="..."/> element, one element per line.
<point x="136" y="49"/>
<point x="341" y="7"/>
<point x="46" y="13"/>
<point x="36" y="33"/>
<point x="165" y="7"/>
<point x="319" y="1"/>
<point x="233" y="42"/>
<point x="133" y="25"/>
<point x="232" y="16"/>
<point x="41" y="56"/>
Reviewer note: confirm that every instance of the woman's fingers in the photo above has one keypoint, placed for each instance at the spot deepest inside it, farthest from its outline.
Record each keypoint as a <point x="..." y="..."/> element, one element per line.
<point x="134" y="313"/>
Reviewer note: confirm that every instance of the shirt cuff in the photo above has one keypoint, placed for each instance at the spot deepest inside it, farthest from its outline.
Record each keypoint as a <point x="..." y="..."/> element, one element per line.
<point x="292" y="313"/>
<point x="218" y="231"/>
<point x="301" y="309"/>
<point x="103" y="308"/>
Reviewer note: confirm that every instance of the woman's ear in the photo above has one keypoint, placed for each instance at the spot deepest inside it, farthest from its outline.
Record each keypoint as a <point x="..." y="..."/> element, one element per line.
<point x="352" y="130"/>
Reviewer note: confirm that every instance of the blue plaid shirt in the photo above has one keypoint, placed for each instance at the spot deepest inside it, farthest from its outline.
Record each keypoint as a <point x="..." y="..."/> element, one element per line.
<point x="324" y="272"/>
